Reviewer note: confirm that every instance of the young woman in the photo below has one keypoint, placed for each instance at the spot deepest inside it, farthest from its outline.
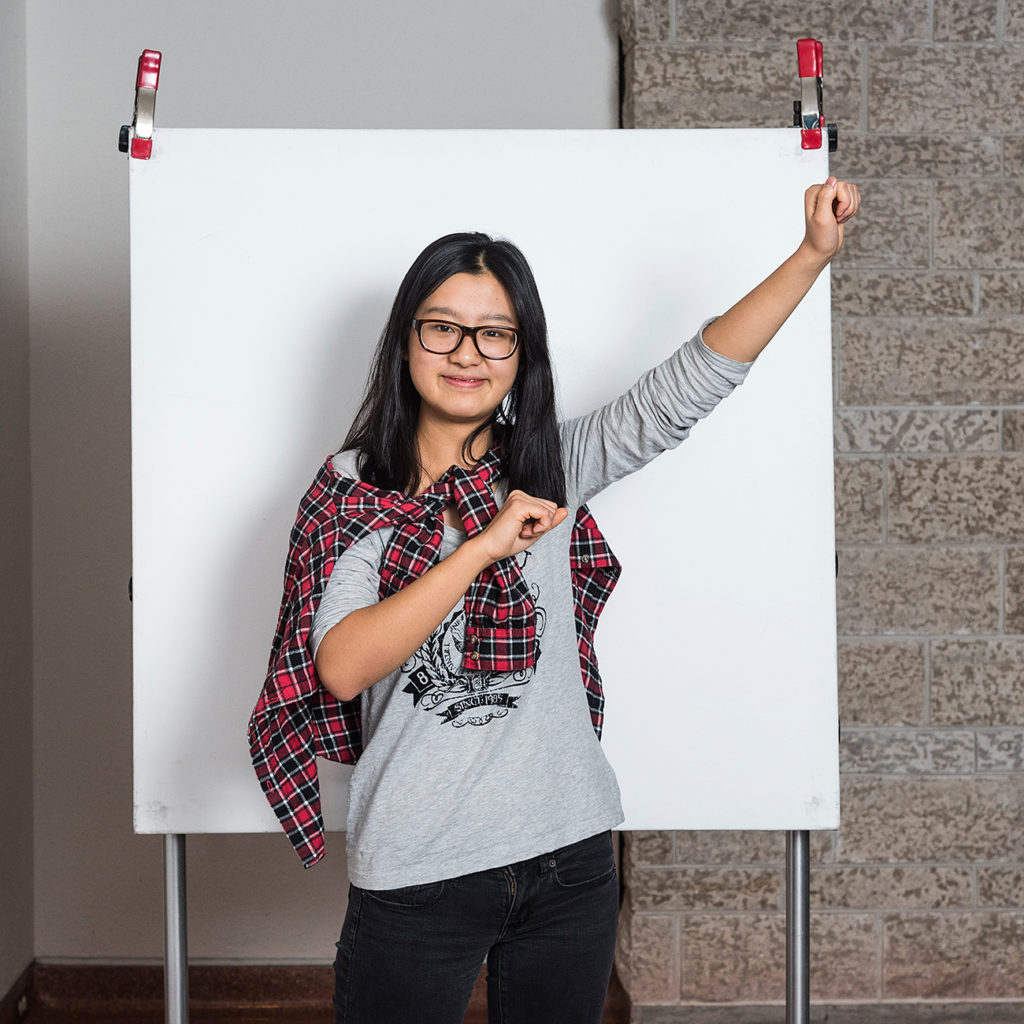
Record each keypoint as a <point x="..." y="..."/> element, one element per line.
<point x="442" y="591"/>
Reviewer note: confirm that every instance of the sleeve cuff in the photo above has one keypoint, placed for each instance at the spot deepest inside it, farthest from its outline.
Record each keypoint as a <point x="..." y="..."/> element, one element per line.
<point x="731" y="369"/>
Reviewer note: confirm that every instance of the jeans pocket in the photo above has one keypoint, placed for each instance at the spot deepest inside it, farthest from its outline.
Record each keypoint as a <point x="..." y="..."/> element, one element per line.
<point x="588" y="862"/>
<point x="407" y="895"/>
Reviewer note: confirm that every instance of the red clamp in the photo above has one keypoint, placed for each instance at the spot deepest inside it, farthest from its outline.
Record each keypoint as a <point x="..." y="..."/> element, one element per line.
<point x="140" y="131"/>
<point x="812" y="120"/>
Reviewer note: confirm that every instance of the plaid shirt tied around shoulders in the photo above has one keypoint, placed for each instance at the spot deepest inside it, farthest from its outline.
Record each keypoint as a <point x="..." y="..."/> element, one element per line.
<point x="297" y="720"/>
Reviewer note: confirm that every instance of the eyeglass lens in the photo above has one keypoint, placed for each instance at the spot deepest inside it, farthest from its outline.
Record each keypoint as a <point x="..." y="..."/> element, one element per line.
<point x="441" y="337"/>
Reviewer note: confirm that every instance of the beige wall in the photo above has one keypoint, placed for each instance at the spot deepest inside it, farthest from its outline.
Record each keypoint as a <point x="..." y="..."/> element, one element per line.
<point x="15" y="511"/>
<point x="234" y="64"/>
<point x="920" y="895"/>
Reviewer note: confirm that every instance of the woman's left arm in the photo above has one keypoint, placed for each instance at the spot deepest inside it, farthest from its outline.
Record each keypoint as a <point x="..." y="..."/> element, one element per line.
<point x="745" y="329"/>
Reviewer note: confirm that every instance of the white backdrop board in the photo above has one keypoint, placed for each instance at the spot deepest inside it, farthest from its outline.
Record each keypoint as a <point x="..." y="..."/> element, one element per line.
<point x="263" y="268"/>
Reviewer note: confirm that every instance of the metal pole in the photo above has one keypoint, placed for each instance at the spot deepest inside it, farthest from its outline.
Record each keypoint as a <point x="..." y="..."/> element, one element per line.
<point x="175" y="932"/>
<point x="798" y="928"/>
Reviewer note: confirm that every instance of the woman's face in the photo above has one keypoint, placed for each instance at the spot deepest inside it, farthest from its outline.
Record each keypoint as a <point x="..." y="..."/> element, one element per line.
<point x="462" y="387"/>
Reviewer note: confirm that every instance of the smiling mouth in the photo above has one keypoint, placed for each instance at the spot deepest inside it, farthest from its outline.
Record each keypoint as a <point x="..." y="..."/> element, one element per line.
<point x="463" y="382"/>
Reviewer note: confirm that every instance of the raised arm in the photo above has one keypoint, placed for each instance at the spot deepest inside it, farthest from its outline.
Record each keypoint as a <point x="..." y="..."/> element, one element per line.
<point x="745" y="329"/>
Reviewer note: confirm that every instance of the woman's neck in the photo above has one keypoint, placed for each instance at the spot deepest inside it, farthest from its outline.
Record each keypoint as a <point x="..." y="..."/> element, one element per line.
<point x="440" y="450"/>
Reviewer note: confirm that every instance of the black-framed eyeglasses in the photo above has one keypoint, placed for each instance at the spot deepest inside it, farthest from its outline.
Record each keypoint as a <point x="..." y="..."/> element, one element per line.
<point x="444" y="336"/>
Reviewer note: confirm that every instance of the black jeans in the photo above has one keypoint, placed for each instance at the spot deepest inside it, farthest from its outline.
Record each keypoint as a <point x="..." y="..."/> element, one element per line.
<point x="546" y="926"/>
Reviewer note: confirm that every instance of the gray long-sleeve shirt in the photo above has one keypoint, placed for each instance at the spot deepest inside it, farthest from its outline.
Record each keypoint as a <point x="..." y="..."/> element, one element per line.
<point x="447" y="784"/>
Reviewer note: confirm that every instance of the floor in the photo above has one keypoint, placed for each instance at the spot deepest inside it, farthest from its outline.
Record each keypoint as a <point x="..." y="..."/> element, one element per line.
<point x="250" y="994"/>
<point x="993" y="1012"/>
<point x="56" y="998"/>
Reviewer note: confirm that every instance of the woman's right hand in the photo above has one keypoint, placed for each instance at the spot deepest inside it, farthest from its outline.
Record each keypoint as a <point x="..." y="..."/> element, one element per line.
<point x="520" y="523"/>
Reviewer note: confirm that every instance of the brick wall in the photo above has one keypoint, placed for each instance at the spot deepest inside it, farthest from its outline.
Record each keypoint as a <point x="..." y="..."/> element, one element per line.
<point x="920" y="895"/>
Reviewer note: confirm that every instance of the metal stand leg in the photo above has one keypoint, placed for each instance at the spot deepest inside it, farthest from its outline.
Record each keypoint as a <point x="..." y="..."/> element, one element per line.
<point x="798" y="928"/>
<point x="175" y="932"/>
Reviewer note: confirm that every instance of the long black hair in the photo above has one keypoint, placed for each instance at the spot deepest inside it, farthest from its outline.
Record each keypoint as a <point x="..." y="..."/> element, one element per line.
<point x="525" y="425"/>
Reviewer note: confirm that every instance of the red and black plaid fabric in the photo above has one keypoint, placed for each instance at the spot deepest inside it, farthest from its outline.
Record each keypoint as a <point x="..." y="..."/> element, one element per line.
<point x="296" y="720"/>
<point x="500" y="617"/>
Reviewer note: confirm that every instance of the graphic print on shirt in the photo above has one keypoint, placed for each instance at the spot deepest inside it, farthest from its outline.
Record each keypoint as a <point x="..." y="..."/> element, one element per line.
<point x="437" y="682"/>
